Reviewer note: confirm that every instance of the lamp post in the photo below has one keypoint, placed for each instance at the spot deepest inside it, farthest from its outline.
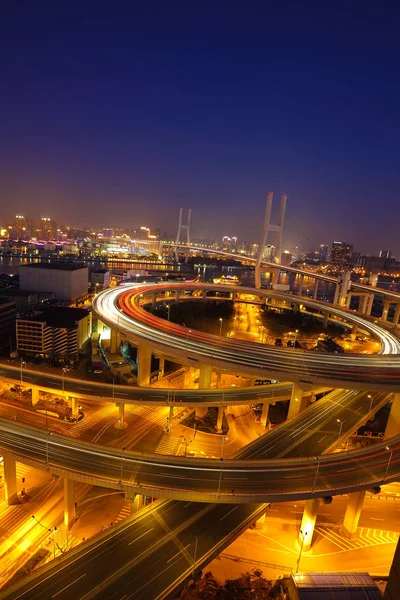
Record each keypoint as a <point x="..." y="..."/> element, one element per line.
<point x="340" y="428"/>
<point x="122" y="458"/>
<point x="186" y="442"/>
<point x="389" y="461"/>
<point x="316" y="474"/>
<point x="222" y="464"/>
<point x="295" y="338"/>
<point x="22" y="365"/>
<point x="220" y="326"/>
<point x="195" y="553"/>
<point x="169" y="310"/>
<point x="370" y="404"/>
<point x="47" y="449"/>
<point x="187" y="338"/>
<point x="54" y="539"/>
<point x="113" y="388"/>
<point x="303" y="537"/>
<point x="63" y="378"/>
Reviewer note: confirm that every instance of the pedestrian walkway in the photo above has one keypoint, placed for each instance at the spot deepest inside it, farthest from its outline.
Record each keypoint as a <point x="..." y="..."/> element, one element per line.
<point x="366" y="537"/>
<point x="167" y="445"/>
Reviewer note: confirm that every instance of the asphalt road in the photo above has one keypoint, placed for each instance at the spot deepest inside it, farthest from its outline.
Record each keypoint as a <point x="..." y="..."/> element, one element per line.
<point x="247" y="478"/>
<point x="120" y="309"/>
<point x="148" y="396"/>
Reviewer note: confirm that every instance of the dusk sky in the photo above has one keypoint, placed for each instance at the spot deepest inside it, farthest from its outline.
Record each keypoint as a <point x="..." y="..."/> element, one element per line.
<point x="115" y="114"/>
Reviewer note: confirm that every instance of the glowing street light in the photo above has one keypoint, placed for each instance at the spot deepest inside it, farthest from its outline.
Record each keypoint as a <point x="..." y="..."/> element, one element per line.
<point x="303" y="537"/>
<point x="370" y="404"/>
<point x="222" y="464"/>
<point x="47" y="448"/>
<point x="122" y="458"/>
<point x="389" y="461"/>
<point x="220" y="326"/>
<point x="169" y="310"/>
<point x="295" y="337"/>
<point x="340" y="428"/>
<point x="316" y="474"/>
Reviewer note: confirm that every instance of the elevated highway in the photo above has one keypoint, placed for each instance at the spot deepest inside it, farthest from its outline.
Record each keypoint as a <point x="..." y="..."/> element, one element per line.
<point x="121" y="309"/>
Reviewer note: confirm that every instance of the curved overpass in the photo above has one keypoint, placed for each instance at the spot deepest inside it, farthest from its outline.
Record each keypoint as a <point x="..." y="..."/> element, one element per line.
<point x="204" y="480"/>
<point x="120" y="309"/>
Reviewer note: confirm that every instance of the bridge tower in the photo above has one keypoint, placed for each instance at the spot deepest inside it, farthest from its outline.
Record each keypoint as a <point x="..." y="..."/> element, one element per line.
<point x="267" y="228"/>
<point x="182" y="227"/>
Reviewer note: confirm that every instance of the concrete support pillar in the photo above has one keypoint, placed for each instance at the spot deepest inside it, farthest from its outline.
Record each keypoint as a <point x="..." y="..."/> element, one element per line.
<point x="354" y="331"/>
<point x="177" y="296"/>
<point x="218" y="381"/>
<point x="396" y="314"/>
<point x="69" y="502"/>
<point x="153" y="300"/>
<point x="301" y="280"/>
<point x="121" y="415"/>
<point x="204" y="295"/>
<point x="348" y="300"/>
<point x="393" y="584"/>
<point x="297" y="402"/>
<point x="337" y="294"/>
<point x="201" y="411"/>
<point x="385" y="310"/>
<point x="143" y="365"/>
<point x="205" y="377"/>
<point x="10" y="478"/>
<point x="308" y="523"/>
<point x="264" y="414"/>
<point x="344" y="287"/>
<point x="161" y="366"/>
<point x="74" y="407"/>
<point x="393" y="424"/>
<point x="35" y="396"/>
<point x="275" y="277"/>
<point x="370" y="302"/>
<point x="115" y="341"/>
<point x="316" y="289"/>
<point x="137" y="503"/>
<point x="352" y="515"/>
<point x="220" y="417"/>
<point x="170" y="417"/>
<point x="326" y="319"/>
<point x="362" y="307"/>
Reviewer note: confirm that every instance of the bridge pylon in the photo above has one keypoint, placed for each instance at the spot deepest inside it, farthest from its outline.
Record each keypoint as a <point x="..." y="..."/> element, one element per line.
<point x="183" y="227"/>
<point x="267" y="228"/>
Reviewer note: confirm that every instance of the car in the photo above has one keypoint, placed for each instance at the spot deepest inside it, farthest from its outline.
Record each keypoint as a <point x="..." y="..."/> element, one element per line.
<point x="97" y="371"/>
<point x="278" y="342"/>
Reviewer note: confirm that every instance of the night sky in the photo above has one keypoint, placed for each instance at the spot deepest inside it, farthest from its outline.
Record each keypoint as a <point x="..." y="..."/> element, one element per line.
<point x="115" y="114"/>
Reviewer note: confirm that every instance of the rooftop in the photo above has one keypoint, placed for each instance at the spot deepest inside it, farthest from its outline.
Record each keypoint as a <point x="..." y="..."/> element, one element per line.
<point x="334" y="586"/>
<point x="54" y="266"/>
<point x="60" y="316"/>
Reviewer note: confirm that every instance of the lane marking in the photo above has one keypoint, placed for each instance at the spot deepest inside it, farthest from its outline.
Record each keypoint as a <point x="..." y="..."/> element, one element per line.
<point x="69" y="585"/>
<point x="179" y="552"/>
<point x="140" y="536"/>
<point x="231" y="511"/>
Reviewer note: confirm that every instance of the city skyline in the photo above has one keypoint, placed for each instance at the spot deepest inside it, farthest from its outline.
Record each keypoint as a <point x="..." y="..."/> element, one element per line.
<point x="131" y="116"/>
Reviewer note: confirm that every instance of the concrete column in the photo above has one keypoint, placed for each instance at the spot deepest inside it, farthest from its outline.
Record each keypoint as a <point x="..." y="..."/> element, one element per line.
<point x="153" y="300"/>
<point x="308" y="523"/>
<point x="35" y="396"/>
<point x="352" y="515"/>
<point x="301" y="280"/>
<point x="69" y="502"/>
<point x="201" y="411"/>
<point x="204" y="295"/>
<point x="137" y="503"/>
<point x="362" y="307"/>
<point x="326" y="319"/>
<point x="143" y="365"/>
<point x="297" y="402"/>
<point x="220" y="417"/>
<point x="370" y="302"/>
<point x="205" y="377"/>
<point x="74" y="407"/>
<point x="354" y="331"/>
<point x="344" y="287"/>
<point x="170" y="417"/>
<point x="393" y="424"/>
<point x="264" y="414"/>
<point x="348" y="300"/>
<point x="316" y="289"/>
<point x="10" y="478"/>
<point x="275" y="277"/>
<point x="121" y="414"/>
<point x="393" y="584"/>
<point x="218" y="382"/>
<point x="385" y="311"/>
<point x="337" y="294"/>
<point x="115" y="341"/>
<point x="161" y="366"/>
<point x="396" y="314"/>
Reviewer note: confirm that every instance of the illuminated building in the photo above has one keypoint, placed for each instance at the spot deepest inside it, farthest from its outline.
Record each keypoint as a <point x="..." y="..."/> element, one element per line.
<point x="341" y="253"/>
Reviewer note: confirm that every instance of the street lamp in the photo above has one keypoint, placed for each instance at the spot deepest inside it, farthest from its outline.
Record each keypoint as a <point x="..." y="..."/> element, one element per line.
<point x="303" y="537"/>
<point x="187" y="338"/>
<point x="370" y="404"/>
<point x="186" y="442"/>
<point x="340" y="428"/>
<point x="122" y="458"/>
<point x="62" y="378"/>
<point x="295" y="337"/>
<point x="222" y="464"/>
<point x="47" y="449"/>
<point x="169" y="310"/>
<point x="22" y="365"/>
<point x="220" y="326"/>
<point x="389" y="461"/>
<point x="316" y="474"/>
<point x="195" y="553"/>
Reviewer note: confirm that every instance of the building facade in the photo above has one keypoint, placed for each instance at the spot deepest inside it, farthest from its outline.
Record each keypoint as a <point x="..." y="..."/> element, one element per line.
<point x="67" y="282"/>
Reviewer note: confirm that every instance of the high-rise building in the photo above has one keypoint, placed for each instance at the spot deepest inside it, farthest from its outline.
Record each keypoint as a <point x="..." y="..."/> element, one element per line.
<point x="323" y="252"/>
<point x="385" y="254"/>
<point x="48" y="229"/>
<point x="341" y="253"/>
<point x="286" y="258"/>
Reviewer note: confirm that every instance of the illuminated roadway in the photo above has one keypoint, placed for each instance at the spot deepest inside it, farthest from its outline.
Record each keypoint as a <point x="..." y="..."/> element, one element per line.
<point x="120" y="309"/>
